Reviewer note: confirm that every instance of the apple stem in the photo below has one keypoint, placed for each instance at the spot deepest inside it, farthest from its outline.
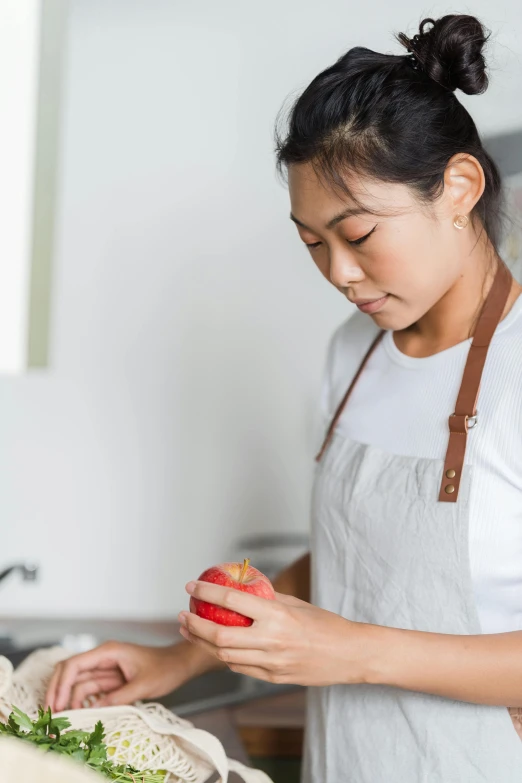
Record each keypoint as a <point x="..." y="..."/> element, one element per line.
<point x="246" y="561"/>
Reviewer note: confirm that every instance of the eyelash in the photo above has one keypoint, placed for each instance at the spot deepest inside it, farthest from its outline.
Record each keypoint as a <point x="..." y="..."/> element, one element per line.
<point x="355" y="241"/>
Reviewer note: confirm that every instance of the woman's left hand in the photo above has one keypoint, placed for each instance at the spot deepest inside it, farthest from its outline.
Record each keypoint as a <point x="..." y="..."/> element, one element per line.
<point x="290" y="641"/>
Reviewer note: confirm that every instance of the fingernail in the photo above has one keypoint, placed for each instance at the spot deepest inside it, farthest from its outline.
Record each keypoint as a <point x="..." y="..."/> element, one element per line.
<point x="182" y="618"/>
<point x="189" y="587"/>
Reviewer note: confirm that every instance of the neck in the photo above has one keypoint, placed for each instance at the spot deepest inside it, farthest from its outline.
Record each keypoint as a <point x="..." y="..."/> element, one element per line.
<point x="453" y="318"/>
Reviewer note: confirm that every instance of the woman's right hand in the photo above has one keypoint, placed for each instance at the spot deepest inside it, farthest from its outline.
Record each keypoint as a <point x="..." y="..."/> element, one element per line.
<point x="121" y="673"/>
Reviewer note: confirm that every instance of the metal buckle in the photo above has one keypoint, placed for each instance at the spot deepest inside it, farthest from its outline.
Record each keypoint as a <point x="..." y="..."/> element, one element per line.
<point x="472" y="421"/>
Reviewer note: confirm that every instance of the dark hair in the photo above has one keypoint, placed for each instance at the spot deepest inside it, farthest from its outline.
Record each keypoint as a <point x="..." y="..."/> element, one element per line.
<point x="395" y="118"/>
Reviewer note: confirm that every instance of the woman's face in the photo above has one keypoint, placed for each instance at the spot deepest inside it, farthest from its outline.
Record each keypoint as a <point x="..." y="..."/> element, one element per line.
<point x="395" y="267"/>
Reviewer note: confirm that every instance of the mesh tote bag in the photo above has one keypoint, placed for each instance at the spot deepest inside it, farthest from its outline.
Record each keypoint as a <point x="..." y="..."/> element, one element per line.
<point x="145" y="736"/>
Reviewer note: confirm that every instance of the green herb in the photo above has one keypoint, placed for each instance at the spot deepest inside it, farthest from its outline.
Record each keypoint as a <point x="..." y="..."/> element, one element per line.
<point x="88" y="747"/>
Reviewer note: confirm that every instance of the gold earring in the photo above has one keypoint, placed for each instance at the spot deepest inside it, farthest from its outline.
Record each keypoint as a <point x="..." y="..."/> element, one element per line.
<point x="461" y="221"/>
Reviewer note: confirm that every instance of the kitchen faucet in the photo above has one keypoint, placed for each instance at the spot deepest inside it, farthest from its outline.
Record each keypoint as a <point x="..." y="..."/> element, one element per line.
<point x="29" y="571"/>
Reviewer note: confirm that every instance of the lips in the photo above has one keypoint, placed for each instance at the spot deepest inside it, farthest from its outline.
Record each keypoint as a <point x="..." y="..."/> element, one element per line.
<point x="370" y="305"/>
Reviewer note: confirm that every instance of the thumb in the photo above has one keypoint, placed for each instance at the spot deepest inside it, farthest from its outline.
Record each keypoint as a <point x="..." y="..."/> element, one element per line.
<point x="290" y="600"/>
<point x="127" y="694"/>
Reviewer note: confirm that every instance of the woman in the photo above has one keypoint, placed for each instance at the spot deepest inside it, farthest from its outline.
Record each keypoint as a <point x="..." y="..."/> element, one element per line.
<point x="413" y="638"/>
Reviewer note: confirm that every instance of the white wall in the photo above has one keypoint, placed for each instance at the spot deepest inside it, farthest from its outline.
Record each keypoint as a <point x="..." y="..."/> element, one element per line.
<point x="189" y="322"/>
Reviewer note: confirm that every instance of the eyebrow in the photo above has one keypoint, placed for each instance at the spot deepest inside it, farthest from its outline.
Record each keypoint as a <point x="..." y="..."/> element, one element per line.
<point x="350" y="212"/>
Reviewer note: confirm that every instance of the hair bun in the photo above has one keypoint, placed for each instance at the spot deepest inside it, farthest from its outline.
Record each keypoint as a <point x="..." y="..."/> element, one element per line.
<point x="450" y="52"/>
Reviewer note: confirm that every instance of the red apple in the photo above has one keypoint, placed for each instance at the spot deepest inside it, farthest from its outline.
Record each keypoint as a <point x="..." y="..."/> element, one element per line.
<point x="240" y="576"/>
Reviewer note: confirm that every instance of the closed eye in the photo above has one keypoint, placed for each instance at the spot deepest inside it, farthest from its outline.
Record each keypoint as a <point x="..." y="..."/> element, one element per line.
<point x="350" y="242"/>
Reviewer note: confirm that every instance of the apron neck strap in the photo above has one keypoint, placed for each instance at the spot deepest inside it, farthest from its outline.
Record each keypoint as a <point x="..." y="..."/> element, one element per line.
<point x="465" y="416"/>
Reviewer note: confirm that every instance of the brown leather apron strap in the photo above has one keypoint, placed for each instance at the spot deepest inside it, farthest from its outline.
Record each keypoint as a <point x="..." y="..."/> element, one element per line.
<point x="465" y="416"/>
<point x="346" y="397"/>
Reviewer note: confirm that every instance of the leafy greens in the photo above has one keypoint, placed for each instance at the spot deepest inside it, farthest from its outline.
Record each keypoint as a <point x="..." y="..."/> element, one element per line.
<point x="50" y="734"/>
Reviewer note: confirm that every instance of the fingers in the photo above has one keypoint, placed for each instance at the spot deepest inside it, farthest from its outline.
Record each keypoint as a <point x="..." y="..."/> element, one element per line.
<point x="230" y="598"/>
<point x="94" y="686"/>
<point x="243" y="657"/>
<point x="50" y="696"/>
<point x="127" y="694"/>
<point x="232" y="657"/>
<point x="211" y="649"/>
<point x="67" y="672"/>
<point x="96" y="673"/>
<point x="254" y="663"/>
<point x="221" y="635"/>
<point x="92" y="676"/>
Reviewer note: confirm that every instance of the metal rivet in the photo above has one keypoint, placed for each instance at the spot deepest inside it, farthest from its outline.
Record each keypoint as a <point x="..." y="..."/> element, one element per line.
<point x="449" y="488"/>
<point x="450" y="473"/>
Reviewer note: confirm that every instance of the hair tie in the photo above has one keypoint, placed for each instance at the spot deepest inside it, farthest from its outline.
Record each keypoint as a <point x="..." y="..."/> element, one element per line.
<point x="413" y="62"/>
<point x="412" y="58"/>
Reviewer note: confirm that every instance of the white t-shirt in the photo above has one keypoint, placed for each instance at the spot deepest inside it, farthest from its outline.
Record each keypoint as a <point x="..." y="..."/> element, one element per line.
<point x="401" y="404"/>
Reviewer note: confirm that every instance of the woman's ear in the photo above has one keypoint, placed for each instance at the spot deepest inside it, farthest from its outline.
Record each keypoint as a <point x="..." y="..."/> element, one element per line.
<point x="464" y="182"/>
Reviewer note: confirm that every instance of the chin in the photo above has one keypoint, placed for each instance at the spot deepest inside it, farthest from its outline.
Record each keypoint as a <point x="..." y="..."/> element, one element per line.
<point x="394" y="321"/>
<point x="387" y="321"/>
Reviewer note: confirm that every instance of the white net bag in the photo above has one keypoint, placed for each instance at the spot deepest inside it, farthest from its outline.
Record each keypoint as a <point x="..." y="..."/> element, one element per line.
<point x="145" y="736"/>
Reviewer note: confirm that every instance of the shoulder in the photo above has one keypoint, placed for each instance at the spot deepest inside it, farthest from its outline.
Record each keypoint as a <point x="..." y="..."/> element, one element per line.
<point x="346" y="350"/>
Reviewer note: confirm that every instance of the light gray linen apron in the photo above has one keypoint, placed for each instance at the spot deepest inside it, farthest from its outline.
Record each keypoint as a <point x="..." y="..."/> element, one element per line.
<point x="386" y="551"/>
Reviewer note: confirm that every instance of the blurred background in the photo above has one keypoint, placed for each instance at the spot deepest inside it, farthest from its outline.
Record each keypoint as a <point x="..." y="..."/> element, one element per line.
<point x="162" y="328"/>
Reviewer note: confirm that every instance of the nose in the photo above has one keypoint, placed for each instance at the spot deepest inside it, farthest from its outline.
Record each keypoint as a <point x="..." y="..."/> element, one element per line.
<point x="343" y="270"/>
